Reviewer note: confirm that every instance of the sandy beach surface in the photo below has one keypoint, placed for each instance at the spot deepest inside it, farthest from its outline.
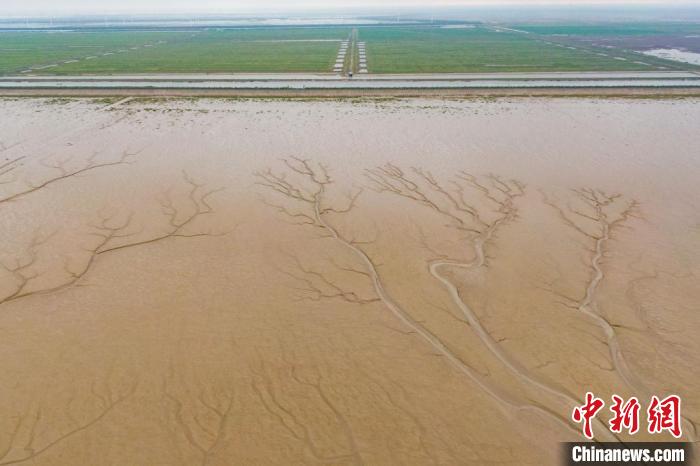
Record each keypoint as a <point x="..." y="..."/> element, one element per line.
<point x="390" y="281"/>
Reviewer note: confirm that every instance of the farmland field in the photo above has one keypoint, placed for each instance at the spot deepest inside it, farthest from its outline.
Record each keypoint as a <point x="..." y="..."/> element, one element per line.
<point x="231" y="50"/>
<point x="634" y="37"/>
<point x="479" y="49"/>
<point x="417" y="48"/>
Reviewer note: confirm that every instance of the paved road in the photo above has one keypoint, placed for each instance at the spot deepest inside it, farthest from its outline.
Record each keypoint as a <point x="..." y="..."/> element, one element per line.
<point x="633" y="75"/>
<point x="352" y="84"/>
<point x="538" y="75"/>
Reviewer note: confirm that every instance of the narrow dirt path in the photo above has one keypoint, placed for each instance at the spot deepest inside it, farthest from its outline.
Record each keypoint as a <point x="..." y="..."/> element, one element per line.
<point x="352" y="53"/>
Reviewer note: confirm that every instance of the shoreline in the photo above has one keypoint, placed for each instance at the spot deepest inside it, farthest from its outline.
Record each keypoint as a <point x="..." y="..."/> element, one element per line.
<point x="593" y="92"/>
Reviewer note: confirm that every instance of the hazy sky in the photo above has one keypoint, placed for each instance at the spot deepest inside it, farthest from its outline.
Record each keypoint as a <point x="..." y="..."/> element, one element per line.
<point x="89" y="6"/>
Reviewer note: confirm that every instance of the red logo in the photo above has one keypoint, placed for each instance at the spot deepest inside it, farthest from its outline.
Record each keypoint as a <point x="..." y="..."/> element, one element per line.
<point x="665" y="415"/>
<point x="587" y="412"/>
<point x="662" y="415"/>
<point x="625" y="415"/>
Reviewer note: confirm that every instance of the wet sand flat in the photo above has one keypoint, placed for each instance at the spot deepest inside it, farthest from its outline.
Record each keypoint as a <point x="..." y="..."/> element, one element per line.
<point x="397" y="281"/>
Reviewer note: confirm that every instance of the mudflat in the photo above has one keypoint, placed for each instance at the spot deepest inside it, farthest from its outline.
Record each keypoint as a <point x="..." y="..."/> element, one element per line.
<point x="400" y="281"/>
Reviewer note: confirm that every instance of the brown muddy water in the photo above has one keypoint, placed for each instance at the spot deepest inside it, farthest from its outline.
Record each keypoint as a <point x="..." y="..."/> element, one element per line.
<point x="341" y="282"/>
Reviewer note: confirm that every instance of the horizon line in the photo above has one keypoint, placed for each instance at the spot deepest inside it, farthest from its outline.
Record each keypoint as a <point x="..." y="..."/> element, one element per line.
<point x="315" y="7"/>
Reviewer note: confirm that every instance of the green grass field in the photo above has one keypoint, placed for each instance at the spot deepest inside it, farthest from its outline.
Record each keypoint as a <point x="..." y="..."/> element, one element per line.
<point x="207" y="51"/>
<point x="20" y="50"/>
<point x="626" y="40"/>
<point x="478" y="49"/>
<point x="404" y="49"/>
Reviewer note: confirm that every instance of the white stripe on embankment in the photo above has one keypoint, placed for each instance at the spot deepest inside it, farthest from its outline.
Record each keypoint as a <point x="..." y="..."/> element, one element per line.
<point x="353" y="84"/>
<point x="374" y="77"/>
